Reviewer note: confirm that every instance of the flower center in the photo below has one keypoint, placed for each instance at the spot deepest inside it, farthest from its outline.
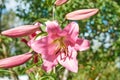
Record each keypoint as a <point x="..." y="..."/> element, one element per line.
<point x="61" y="46"/>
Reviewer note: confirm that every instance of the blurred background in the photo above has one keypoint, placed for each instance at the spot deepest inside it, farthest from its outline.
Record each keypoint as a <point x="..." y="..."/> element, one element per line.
<point x="100" y="62"/>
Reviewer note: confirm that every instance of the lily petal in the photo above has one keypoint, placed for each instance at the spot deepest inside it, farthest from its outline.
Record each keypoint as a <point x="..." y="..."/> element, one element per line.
<point x="43" y="46"/>
<point x="52" y="26"/>
<point x="21" y="31"/>
<point x="72" y="31"/>
<point x="15" y="60"/>
<point x="82" y="44"/>
<point x="49" y="62"/>
<point x="81" y="14"/>
<point x="70" y="62"/>
<point x="60" y="2"/>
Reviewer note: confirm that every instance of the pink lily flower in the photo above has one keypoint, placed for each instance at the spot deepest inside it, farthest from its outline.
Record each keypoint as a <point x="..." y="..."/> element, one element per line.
<point x="60" y="46"/>
<point x="81" y="14"/>
<point x="21" y="30"/>
<point x="60" y="2"/>
<point x="15" y="60"/>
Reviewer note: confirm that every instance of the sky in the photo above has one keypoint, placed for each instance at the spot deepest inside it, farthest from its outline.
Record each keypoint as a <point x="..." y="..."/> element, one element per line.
<point x="11" y="5"/>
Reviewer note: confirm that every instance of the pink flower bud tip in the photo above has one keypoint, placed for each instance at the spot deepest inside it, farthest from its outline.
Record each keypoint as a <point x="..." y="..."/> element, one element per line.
<point x="81" y="14"/>
<point x="60" y="2"/>
<point x="21" y="30"/>
<point x="15" y="60"/>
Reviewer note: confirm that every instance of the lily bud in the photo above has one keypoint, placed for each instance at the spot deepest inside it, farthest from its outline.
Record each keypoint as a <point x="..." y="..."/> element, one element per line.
<point x="81" y="14"/>
<point x="21" y="30"/>
<point x="15" y="60"/>
<point x="35" y="58"/>
<point x="60" y="2"/>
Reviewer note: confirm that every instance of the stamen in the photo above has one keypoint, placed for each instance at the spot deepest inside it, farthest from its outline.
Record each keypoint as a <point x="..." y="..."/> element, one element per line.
<point x="61" y="48"/>
<point x="62" y="58"/>
<point x="57" y="51"/>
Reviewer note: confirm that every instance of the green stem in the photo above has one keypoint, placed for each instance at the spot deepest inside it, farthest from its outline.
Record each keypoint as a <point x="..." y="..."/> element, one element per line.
<point x="13" y="75"/>
<point x="65" y="74"/>
<point x="31" y="50"/>
<point x="53" y="13"/>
